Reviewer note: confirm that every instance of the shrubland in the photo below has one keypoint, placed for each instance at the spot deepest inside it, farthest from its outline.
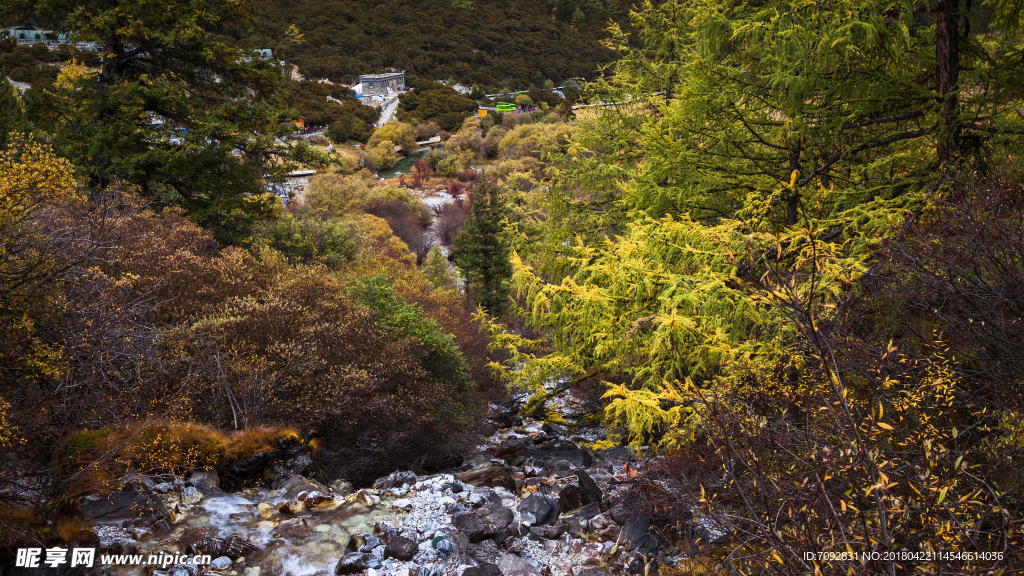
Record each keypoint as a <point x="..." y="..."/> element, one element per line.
<point x="135" y="342"/>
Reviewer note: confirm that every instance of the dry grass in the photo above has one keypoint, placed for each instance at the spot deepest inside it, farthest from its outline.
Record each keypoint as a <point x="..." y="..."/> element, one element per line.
<point x="166" y="446"/>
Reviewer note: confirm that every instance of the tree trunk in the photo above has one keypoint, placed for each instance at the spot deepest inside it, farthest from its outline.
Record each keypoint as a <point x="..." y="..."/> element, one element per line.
<point x="947" y="61"/>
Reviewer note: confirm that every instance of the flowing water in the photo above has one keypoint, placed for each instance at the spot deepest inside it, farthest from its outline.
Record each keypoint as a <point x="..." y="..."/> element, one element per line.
<point x="304" y="544"/>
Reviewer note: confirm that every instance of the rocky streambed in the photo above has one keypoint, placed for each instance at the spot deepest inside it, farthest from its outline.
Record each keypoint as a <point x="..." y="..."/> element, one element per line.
<point x="535" y="503"/>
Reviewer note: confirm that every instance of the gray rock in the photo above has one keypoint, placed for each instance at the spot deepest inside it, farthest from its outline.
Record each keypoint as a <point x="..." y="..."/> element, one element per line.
<point x="395" y="479"/>
<point x="483" y="569"/>
<point x="543" y="508"/>
<point x="191" y="495"/>
<point x="594" y="571"/>
<point x="558" y="466"/>
<point x="469" y="523"/>
<point x="576" y="526"/>
<point x="549" y="532"/>
<point x="484" y="551"/>
<point x="554" y="430"/>
<point x="385" y="529"/>
<point x="570" y="497"/>
<point x="233" y="547"/>
<point x="220" y="563"/>
<point x="636" y="535"/>
<point x="512" y="565"/>
<point x="621" y="512"/>
<point x="589" y="491"/>
<point x="494" y="516"/>
<point x="402" y="548"/>
<point x="402" y="504"/>
<point x="588" y="511"/>
<point x="127" y="504"/>
<point x="207" y="481"/>
<point x="618" y="456"/>
<point x="287" y="482"/>
<point x="351" y="564"/>
<point x="455" y="487"/>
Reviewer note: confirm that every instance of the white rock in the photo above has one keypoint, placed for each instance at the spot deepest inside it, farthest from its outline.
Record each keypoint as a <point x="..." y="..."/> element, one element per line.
<point x="191" y="495"/>
<point x="445" y="501"/>
<point x="220" y="563"/>
<point x="367" y="498"/>
<point x="402" y="504"/>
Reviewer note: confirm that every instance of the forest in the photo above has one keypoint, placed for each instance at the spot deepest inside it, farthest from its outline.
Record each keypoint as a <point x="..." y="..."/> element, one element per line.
<point x="483" y="42"/>
<point x="775" y="249"/>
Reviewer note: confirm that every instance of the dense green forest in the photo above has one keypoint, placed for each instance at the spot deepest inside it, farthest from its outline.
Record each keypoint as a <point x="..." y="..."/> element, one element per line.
<point x="489" y="43"/>
<point x="780" y="246"/>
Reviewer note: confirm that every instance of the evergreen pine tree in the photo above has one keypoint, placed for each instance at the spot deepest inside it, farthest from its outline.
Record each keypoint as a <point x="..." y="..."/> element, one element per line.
<point x="436" y="270"/>
<point x="481" y="251"/>
<point x="11" y="112"/>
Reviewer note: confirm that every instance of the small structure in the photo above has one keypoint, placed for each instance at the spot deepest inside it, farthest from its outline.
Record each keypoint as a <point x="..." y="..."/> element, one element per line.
<point x="33" y="35"/>
<point x="382" y="84"/>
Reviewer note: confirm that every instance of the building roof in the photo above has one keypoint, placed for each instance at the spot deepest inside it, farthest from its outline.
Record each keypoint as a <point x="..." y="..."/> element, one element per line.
<point x="380" y="76"/>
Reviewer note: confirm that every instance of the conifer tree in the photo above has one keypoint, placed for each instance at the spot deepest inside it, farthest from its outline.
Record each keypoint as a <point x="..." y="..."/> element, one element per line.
<point x="173" y="109"/>
<point x="481" y="251"/>
<point x="748" y="156"/>
<point x="11" y="112"/>
<point x="436" y="270"/>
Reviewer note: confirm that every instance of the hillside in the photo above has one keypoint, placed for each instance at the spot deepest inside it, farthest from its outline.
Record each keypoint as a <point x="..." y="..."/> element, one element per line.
<point x="516" y="43"/>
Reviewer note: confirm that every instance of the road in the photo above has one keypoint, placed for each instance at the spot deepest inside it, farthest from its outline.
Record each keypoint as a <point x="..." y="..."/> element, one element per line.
<point x="389" y="110"/>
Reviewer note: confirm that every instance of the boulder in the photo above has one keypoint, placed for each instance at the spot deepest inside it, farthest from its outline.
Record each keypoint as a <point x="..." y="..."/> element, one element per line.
<point x="489" y="475"/>
<point x="385" y="529"/>
<point x="549" y="532"/>
<point x="484" y="551"/>
<point x="193" y="535"/>
<point x="617" y="457"/>
<point x="621" y="512"/>
<point x="514" y="446"/>
<point x="395" y="479"/>
<point x="126" y="504"/>
<point x="191" y="495"/>
<point x="351" y="564"/>
<point x="264" y="510"/>
<point x="206" y="481"/>
<point x="367" y="498"/>
<point x="233" y="547"/>
<point x="560" y="467"/>
<point x="541" y="507"/>
<point x="512" y="565"/>
<point x="401" y="548"/>
<point x="494" y="516"/>
<point x="469" y="524"/>
<point x="483" y="569"/>
<point x="636" y="535"/>
<point x="587" y="511"/>
<point x="576" y="526"/>
<point x="590" y="493"/>
<point x="357" y="541"/>
<point x="287" y="482"/>
<point x="570" y="497"/>
<point x="554" y="430"/>
<point x="292" y="528"/>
